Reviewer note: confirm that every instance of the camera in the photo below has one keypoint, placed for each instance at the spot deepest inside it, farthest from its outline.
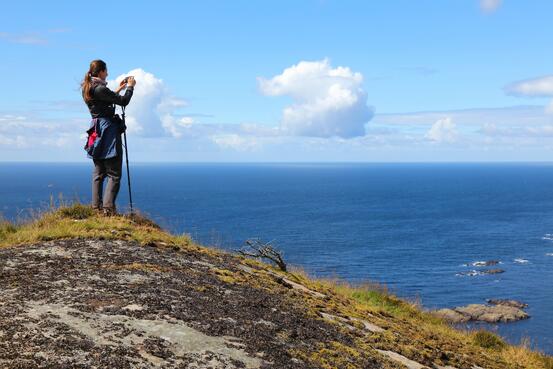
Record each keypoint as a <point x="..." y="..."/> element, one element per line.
<point x="125" y="80"/>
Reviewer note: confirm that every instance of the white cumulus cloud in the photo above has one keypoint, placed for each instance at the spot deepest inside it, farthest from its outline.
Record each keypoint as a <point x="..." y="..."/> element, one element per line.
<point x="328" y="101"/>
<point x="490" y="6"/>
<point x="151" y="111"/>
<point x="444" y="130"/>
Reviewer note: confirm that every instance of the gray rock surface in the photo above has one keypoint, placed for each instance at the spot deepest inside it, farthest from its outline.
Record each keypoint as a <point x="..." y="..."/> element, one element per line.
<point x="116" y="304"/>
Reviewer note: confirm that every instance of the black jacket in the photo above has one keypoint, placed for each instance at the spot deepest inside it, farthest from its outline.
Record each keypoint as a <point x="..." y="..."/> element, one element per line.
<point x="103" y="100"/>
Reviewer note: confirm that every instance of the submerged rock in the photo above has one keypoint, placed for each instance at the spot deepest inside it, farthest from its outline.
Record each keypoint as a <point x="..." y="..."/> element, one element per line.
<point x="472" y="273"/>
<point x="493" y="271"/>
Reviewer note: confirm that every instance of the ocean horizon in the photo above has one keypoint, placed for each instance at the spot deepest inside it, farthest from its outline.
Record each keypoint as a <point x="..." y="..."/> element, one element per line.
<point x="418" y="228"/>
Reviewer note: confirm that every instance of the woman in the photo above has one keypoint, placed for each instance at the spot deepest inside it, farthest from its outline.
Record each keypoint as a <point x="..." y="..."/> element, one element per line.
<point x="105" y="131"/>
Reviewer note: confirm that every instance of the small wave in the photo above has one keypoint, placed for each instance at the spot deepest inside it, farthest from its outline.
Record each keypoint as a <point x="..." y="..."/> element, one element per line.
<point x="473" y="272"/>
<point x="485" y="263"/>
<point x="521" y="261"/>
<point x="549" y="254"/>
<point x="470" y="273"/>
<point x="548" y="236"/>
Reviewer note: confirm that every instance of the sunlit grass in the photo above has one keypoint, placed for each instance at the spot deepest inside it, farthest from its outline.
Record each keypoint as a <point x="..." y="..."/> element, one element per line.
<point x="81" y="221"/>
<point x="418" y="325"/>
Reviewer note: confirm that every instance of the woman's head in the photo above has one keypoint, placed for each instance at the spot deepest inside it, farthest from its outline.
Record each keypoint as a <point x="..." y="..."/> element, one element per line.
<point x="99" y="69"/>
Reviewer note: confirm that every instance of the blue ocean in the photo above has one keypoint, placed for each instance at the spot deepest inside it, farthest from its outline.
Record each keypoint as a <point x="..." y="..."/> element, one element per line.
<point x="416" y="228"/>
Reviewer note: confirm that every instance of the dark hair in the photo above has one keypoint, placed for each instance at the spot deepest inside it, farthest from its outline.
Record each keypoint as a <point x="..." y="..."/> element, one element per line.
<point x="96" y="66"/>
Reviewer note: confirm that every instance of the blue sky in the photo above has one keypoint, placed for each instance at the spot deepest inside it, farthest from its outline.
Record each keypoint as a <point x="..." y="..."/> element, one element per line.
<point x="456" y="80"/>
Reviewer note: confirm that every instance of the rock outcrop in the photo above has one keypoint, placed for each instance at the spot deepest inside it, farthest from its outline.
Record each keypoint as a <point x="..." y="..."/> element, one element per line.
<point x="501" y="312"/>
<point x="121" y="293"/>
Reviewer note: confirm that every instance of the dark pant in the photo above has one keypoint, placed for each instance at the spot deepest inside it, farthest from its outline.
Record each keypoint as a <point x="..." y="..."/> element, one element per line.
<point x="103" y="168"/>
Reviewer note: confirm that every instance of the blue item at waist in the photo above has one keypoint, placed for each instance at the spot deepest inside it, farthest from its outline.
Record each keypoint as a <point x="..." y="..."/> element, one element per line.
<point x="108" y="144"/>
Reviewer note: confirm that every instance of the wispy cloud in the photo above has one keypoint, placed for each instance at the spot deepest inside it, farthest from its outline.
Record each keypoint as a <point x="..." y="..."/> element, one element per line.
<point x="237" y="142"/>
<point x="24" y="38"/>
<point x="21" y="131"/>
<point x="31" y="38"/>
<point x="535" y="87"/>
<point x="503" y="116"/>
<point x="422" y="70"/>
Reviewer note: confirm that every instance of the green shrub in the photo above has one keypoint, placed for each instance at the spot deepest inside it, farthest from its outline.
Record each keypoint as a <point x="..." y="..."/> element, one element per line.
<point x="488" y="340"/>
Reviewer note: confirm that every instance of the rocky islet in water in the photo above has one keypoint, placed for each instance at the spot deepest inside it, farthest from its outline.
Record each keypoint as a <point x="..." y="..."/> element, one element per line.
<point x="496" y="311"/>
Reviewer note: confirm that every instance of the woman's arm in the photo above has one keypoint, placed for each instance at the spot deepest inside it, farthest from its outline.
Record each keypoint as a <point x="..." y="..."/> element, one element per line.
<point x="120" y="88"/>
<point x="103" y="93"/>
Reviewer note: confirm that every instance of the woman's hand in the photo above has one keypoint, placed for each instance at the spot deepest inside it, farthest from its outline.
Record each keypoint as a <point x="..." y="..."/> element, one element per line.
<point x="131" y="82"/>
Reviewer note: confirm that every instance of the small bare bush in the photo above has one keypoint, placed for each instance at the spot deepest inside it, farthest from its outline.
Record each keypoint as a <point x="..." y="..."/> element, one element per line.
<point x="261" y="250"/>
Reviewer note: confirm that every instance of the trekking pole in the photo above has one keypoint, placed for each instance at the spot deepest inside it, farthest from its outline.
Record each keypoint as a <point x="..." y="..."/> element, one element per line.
<point x="127" y="158"/>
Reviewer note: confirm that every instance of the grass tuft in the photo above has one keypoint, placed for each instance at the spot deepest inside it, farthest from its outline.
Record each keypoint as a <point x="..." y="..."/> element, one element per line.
<point x="525" y="358"/>
<point x="488" y="340"/>
<point x="140" y="219"/>
<point x="6" y="228"/>
<point x="77" y="211"/>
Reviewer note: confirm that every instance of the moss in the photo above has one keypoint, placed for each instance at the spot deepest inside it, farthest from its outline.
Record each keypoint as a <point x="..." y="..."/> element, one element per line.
<point x="331" y="355"/>
<point x="200" y="288"/>
<point x="224" y="275"/>
<point x="229" y="276"/>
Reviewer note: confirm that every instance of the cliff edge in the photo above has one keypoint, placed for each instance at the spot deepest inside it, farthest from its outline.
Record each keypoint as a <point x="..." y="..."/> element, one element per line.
<point x="82" y="291"/>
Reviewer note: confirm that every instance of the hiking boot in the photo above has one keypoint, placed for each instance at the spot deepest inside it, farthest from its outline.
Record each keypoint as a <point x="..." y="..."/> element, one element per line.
<point x="109" y="212"/>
